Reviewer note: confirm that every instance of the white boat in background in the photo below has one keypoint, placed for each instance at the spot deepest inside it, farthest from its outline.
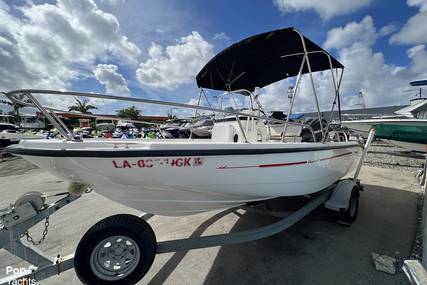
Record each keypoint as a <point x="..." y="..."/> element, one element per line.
<point x="31" y="122"/>
<point x="5" y="123"/>
<point x="16" y="136"/>
<point x="125" y="124"/>
<point x="202" y="128"/>
<point x="6" y="127"/>
<point x="239" y="164"/>
<point x="104" y="124"/>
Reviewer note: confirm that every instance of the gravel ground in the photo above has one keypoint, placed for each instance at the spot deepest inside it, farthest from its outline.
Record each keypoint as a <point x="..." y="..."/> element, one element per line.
<point x="385" y="155"/>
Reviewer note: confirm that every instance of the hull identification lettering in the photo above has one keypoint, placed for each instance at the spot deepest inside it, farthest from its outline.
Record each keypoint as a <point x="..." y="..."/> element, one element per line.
<point x="150" y="163"/>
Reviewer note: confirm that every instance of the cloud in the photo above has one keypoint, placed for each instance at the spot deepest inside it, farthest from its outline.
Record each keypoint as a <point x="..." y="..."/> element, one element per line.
<point x="387" y="30"/>
<point x="418" y="56"/>
<point x="366" y="70"/>
<point x="113" y="2"/>
<point x="418" y="3"/>
<point x="221" y="37"/>
<point x="326" y="9"/>
<point x="363" y="32"/>
<point x="170" y="67"/>
<point x="383" y="84"/>
<point x="415" y="29"/>
<point x="52" y="45"/>
<point x="114" y="82"/>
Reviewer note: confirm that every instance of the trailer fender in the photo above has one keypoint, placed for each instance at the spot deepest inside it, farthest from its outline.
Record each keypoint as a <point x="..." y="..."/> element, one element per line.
<point x="340" y="196"/>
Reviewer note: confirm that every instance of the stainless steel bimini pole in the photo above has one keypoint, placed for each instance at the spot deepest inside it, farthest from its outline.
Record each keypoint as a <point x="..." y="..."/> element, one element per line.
<point x="336" y="91"/>
<point x="293" y="97"/>
<point x="195" y="113"/>
<point x="312" y="80"/>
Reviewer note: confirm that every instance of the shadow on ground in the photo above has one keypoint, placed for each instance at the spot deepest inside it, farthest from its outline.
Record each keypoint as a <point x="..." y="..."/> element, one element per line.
<point x="316" y="250"/>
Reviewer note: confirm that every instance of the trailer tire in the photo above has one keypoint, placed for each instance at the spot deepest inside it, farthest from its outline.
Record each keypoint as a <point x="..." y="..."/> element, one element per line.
<point x="349" y="216"/>
<point x="123" y="241"/>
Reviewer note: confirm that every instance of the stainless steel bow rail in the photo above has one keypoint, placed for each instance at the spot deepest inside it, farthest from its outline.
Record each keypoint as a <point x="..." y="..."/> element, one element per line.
<point x="18" y="97"/>
<point x="31" y="209"/>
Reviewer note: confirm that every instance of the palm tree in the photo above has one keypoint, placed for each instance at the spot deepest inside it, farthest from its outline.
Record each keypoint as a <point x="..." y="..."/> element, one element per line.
<point x="82" y="106"/>
<point x="16" y="107"/>
<point x="171" y="116"/>
<point x="131" y="113"/>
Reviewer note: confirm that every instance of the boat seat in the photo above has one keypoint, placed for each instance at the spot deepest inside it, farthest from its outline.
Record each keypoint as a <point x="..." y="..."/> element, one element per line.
<point x="224" y="133"/>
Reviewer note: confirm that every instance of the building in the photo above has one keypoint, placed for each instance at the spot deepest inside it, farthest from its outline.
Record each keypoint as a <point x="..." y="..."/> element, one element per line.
<point x="73" y="120"/>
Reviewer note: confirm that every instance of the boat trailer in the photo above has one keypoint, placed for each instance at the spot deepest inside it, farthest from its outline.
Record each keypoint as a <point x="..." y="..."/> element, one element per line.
<point x="31" y="209"/>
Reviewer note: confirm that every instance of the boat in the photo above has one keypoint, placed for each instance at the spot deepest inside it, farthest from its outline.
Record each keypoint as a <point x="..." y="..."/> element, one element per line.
<point x="12" y="137"/>
<point x="5" y="123"/>
<point x="407" y="129"/>
<point x="6" y="128"/>
<point x="126" y="133"/>
<point x="32" y="122"/>
<point x="104" y="124"/>
<point x="202" y="128"/>
<point x="412" y="137"/>
<point x="125" y="124"/>
<point x="239" y="164"/>
<point x="363" y="127"/>
<point x="172" y="128"/>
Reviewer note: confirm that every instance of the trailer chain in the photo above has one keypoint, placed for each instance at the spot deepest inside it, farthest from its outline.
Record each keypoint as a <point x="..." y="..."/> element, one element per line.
<point x="45" y="231"/>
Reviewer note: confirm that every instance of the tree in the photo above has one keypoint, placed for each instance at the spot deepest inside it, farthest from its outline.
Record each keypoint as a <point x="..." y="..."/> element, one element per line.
<point x="82" y="106"/>
<point x="171" y="116"/>
<point x="16" y="107"/>
<point x="131" y="113"/>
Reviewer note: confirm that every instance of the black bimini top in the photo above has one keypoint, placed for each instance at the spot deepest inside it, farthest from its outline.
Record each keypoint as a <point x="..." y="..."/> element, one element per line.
<point x="261" y="60"/>
<point x="418" y="83"/>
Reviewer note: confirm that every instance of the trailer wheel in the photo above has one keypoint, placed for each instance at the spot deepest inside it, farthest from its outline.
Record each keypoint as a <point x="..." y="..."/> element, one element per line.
<point x="119" y="249"/>
<point x="348" y="217"/>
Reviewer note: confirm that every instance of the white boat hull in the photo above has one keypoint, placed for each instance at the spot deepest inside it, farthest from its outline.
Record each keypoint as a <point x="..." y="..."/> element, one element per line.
<point x="184" y="184"/>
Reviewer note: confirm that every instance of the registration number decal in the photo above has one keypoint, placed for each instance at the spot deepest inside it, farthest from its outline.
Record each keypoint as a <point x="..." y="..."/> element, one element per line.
<point x="155" y="162"/>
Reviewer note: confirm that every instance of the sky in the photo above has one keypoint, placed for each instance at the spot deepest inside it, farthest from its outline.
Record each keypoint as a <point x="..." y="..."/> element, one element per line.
<point x="154" y="49"/>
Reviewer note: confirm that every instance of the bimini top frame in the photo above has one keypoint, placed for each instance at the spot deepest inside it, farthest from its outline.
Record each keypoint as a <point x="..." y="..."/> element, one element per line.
<point x="266" y="58"/>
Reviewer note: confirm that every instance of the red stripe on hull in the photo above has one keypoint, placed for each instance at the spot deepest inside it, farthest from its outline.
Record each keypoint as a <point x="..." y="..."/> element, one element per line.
<point x="283" y="164"/>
